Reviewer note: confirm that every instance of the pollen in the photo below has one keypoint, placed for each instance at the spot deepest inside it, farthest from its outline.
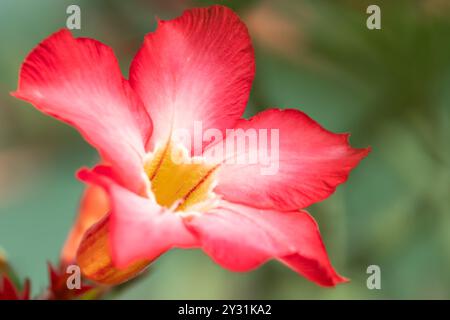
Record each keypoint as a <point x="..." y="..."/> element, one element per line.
<point x="179" y="181"/>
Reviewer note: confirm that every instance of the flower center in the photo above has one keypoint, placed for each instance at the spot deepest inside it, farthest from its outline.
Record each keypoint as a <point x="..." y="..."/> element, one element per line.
<point x="179" y="181"/>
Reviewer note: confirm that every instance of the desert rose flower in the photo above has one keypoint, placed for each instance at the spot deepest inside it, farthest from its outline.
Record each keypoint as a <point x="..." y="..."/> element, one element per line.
<point x="158" y="191"/>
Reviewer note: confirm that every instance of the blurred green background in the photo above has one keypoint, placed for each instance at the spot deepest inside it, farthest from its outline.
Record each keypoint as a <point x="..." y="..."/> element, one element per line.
<point x="388" y="87"/>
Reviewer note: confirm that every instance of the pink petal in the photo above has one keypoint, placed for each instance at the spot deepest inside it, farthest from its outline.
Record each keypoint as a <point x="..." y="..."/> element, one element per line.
<point x="79" y="82"/>
<point x="198" y="67"/>
<point x="313" y="270"/>
<point x="139" y="227"/>
<point x="312" y="163"/>
<point x="241" y="238"/>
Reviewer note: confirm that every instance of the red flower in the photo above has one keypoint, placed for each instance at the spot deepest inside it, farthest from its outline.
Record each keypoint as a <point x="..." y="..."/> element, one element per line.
<point x="8" y="290"/>
<point x="196" y="68"/>
<point x="58" y="289"/>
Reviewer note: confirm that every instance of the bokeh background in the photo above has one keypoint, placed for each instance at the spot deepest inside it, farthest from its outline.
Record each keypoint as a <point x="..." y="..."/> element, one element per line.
<point x="388" y="87"/>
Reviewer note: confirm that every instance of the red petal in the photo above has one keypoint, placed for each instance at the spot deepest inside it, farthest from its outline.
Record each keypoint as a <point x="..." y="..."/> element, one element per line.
<point x="198" y="67"/>
<point x="312" y="163"/>
<point x="8" y="290"/>
<point x="313" y="270"/>
<point x="26" y="290"/>
<point x="79" y="82"/>
<point x="241" y="238"/>
<point x="58" y="289"/>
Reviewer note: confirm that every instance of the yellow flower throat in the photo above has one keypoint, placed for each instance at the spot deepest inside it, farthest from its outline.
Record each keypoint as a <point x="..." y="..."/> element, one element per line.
<point x="178" y="180"/>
